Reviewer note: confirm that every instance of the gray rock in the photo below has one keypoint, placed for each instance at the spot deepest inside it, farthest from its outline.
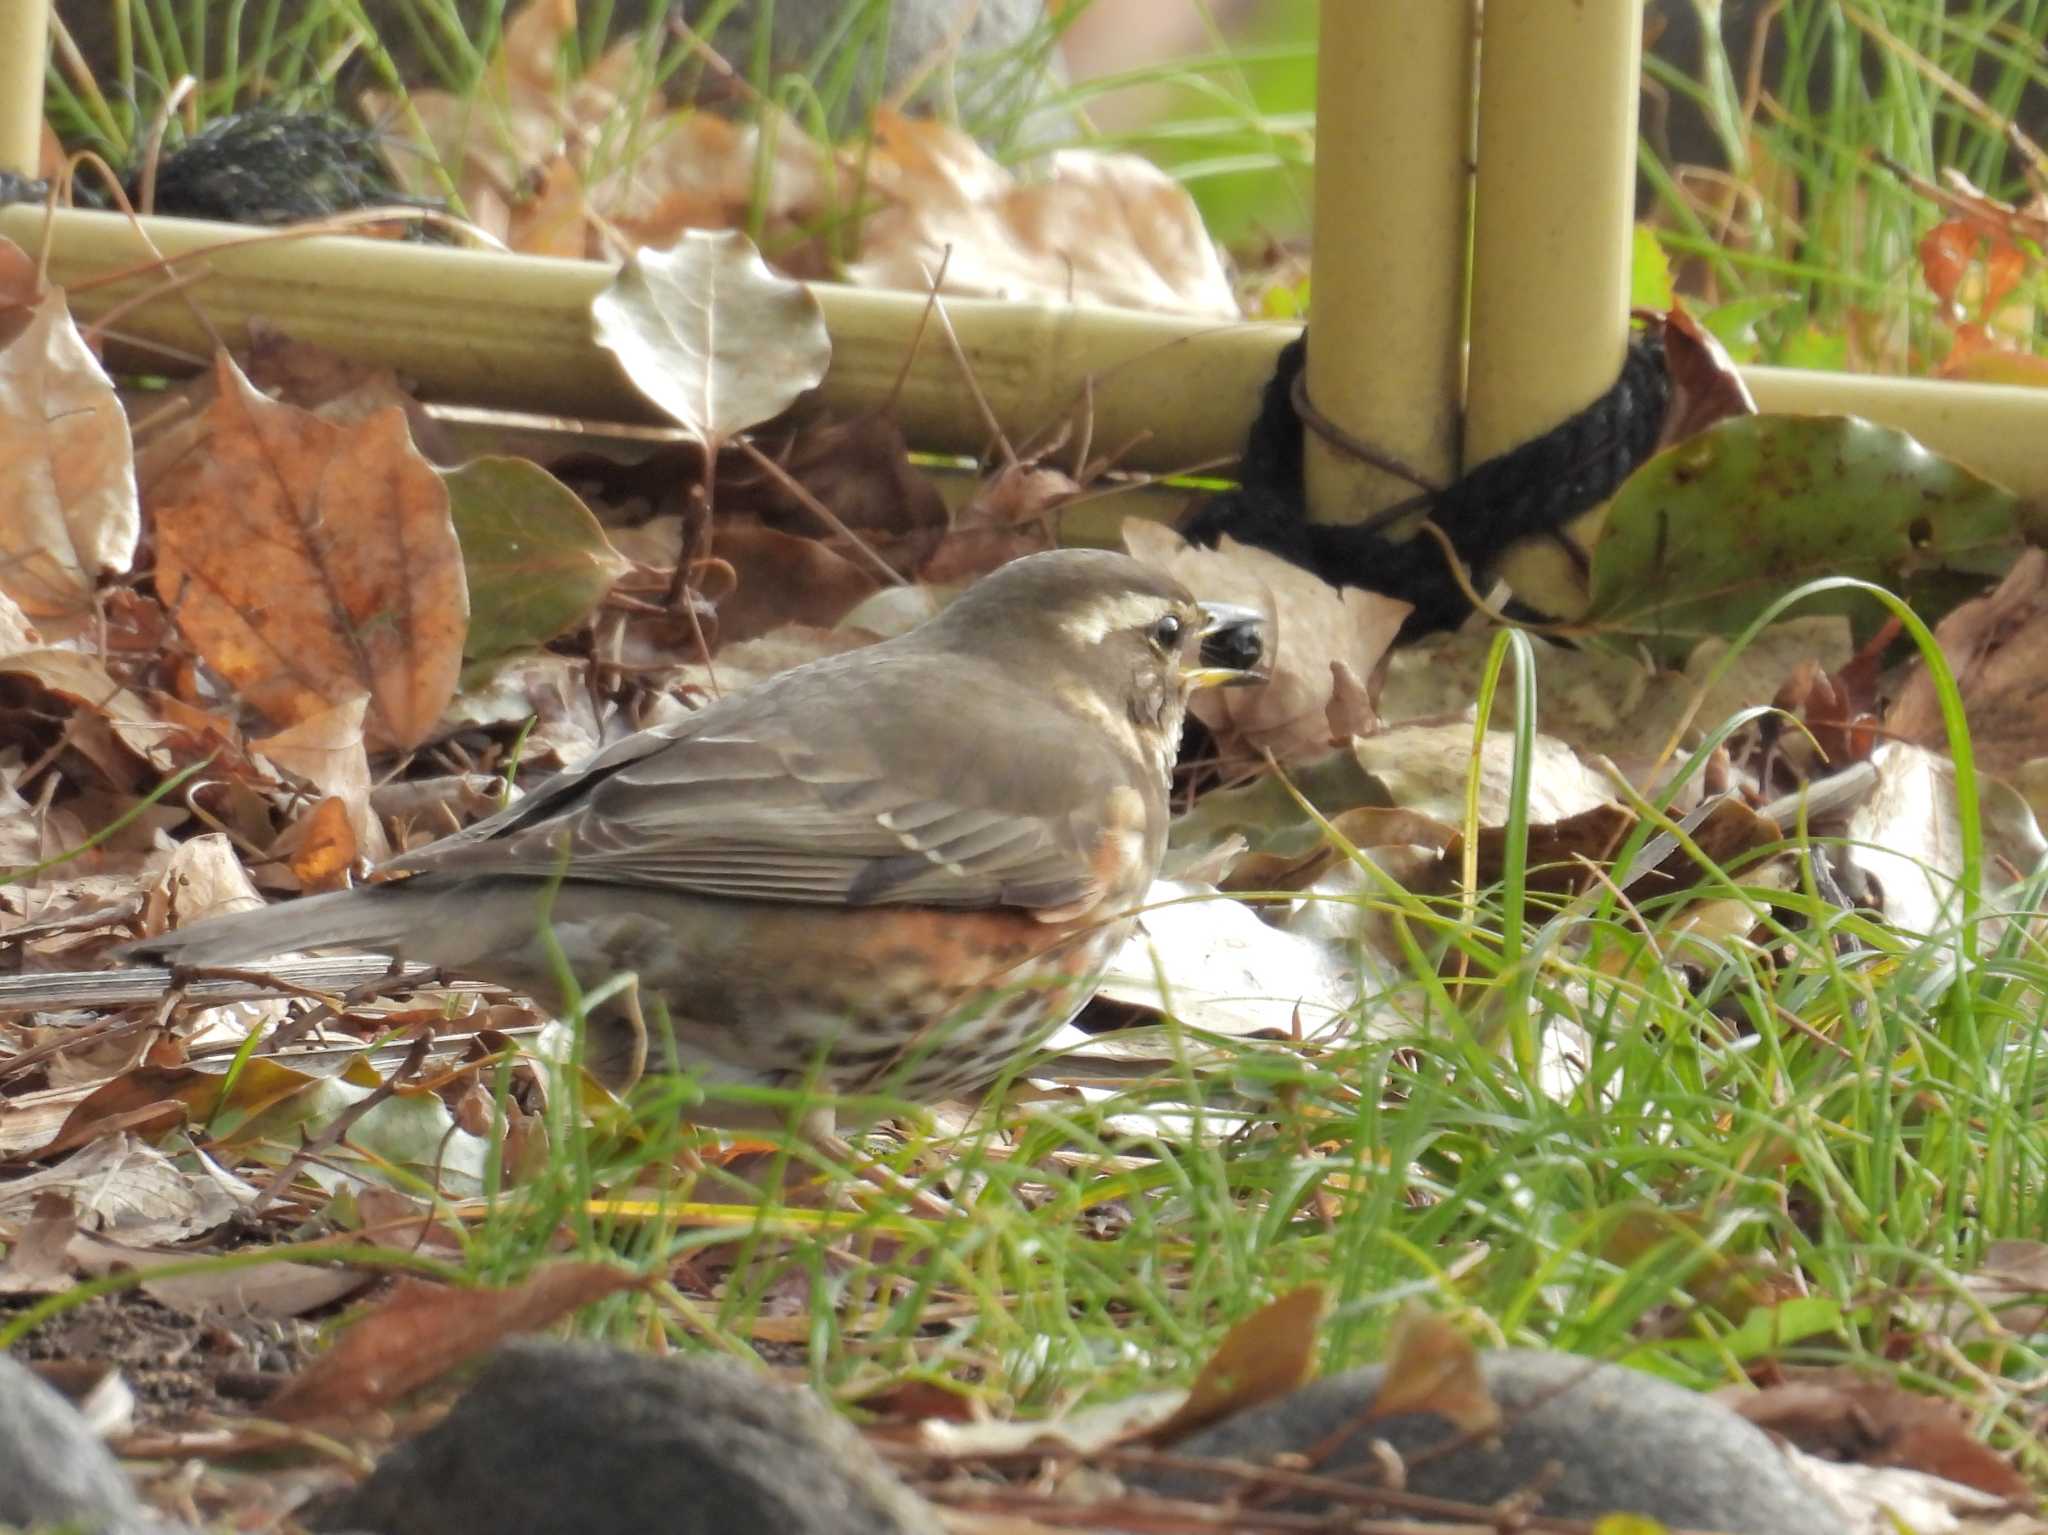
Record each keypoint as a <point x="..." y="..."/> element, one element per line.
<point x="1600" y="1438"/>
<point x="53" y="1468"/>
<point x="573" y="1439"/>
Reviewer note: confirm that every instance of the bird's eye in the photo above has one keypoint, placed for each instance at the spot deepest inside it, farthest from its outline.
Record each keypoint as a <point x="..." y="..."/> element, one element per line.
<point x="1166" y="632"/>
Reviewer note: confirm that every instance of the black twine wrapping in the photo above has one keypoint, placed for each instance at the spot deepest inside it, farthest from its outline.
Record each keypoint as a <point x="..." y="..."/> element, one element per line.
<point x="1531" y="490"/>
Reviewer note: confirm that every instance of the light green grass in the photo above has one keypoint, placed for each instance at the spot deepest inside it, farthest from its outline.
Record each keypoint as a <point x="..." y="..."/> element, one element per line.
<point x="1792" y="1148"/>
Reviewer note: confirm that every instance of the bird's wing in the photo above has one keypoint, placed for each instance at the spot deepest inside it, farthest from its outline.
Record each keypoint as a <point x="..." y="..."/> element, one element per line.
<point x="836" y="789"/>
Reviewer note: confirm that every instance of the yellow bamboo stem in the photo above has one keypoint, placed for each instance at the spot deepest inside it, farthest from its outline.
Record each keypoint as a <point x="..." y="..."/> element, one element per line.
<point x="1394" y="137"/>
<point x="1555" y="196"/>
<point x="24" y="44"/>
<point x="514" y="331"/>
<point x="1996" y="429"/>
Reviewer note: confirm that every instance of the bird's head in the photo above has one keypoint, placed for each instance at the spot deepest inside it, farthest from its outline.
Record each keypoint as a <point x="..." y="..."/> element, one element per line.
<point x="1109" y="634"/>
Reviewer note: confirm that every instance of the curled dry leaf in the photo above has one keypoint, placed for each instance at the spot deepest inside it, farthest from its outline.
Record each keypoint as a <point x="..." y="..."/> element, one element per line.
<point x="708" y="333"/>
<point x="327" y="751"/>
<point x="1266" y="1355"/>
<point x="1316" y="626"/>
<point x="1208" y="961"/>
<point x="425" y="1330"/>
<point x="1841" y="1416"/>
<point x="308" y="562"/>
<point x="1432" y="1367"/>
<point x="1993" y="645"/>
<point x="857" y="469"/>
<point x="779" y="579"/>
<point x="85" y="680"/>
<point x="68" y="509"/>
<point x="323" y="847"/>
<point x="1425" y="767"/>
<point x="202" y="878"/>
<point x="16" y="632"/>
<point x="1907" y="839"/>
<point x="1096" y="228"/>
<point x="1705" y="386"/>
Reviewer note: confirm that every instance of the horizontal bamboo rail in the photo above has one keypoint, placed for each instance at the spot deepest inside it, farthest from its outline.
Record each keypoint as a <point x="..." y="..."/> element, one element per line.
<point x="514" y="331"/>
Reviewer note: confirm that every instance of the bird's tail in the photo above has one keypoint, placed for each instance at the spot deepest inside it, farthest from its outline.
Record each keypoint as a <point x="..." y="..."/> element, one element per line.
<point x="375" y="919"/>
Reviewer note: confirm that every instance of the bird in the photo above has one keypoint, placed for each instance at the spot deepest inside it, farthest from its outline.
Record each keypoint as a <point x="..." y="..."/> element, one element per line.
<point x="894" y="870"/>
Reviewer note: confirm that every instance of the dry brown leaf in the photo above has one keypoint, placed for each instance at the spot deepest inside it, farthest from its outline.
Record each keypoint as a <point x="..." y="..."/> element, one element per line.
<point x="122" y="1187"/>
<point x="1266" y="1355"/>
<point x="203" y="878"/>
<point x="1993" y="645"/>
<point x="709" y="333"/>
<point x="16" y="632"/>
<point x="554" y="218"/>
<point x="1845" y="1417"/>
<point x="425" y="1330"/>
<point x="1432" y="1367"/>
<point x="1563" y="856"/>
<point x="859" y="470"/>
<point x="1316" y="626"/>
<point x="270" y="1290"/>
<point x="1705" y="386"/>
<point x="779" y="579"/>
<point x="84" y="680"/>
<point x="702" y="173"/>
<point x="68" y="508"/>
<point x="327" y="750"/>
<point x="19" y="285"/>
<point x="308" y="562"/>
<point x="40" y="1227"/>
<point x="337" y="389"/>
<point x="1097" y="228"/>
<point x="324" y="847"/>
<point x="1012" y="513"/>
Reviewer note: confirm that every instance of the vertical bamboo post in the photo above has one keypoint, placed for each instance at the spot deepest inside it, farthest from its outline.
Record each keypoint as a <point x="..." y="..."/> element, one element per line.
<point x="24" y="42"/>
<point x="1550" y="258"/>
<point x="1393" y="166"/>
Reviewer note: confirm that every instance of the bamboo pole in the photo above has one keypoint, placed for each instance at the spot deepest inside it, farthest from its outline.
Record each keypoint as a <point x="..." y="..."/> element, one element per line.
<point x="1553" y="205"/>
<point x="1393" y="171"/>
<point x="514" y="331"/>
<point x="24" y="46"/>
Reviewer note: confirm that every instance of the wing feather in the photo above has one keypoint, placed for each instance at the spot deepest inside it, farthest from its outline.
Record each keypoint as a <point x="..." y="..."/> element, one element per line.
<point x="735" y="802"/>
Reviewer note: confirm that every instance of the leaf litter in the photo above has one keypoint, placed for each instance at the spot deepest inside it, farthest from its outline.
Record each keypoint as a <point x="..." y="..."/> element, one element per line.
<point x="349" y="644"/>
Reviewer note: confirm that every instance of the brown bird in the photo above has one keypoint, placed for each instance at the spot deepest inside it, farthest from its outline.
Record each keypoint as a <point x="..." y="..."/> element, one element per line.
<point x="894" y="870"/>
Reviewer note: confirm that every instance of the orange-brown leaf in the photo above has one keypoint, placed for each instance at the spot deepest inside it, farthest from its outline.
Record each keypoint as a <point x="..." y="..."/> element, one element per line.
<point x="425" y="1330"/>
<point x="1432" y="1367"/>
<point x="308" y="562"/>
<point x="1268" y="1354"/>
<point x="327" y="846"/>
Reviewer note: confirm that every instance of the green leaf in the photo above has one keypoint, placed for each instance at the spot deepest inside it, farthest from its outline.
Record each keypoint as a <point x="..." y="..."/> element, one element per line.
<point x="537" y="560"/>
<point x="1649" y="272"/>
<point x="1811" y="347"/>
<point x="1708" y="533"/>
<point x="1734" y="324"/>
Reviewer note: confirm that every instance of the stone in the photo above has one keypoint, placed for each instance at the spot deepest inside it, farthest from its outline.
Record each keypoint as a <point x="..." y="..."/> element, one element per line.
<point x="53" y="1469"/>
<point x="1599" y="1438"/>
<point x="576" y="1439"/>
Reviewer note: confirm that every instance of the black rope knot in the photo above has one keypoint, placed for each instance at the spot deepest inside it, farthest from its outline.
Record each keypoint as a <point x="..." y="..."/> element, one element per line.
<point x="1530" y="490"/>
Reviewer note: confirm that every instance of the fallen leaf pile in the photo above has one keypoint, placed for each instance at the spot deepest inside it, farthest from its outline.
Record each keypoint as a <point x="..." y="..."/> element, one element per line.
<point x="261" y="629"/>
<point x="542" y="166"/>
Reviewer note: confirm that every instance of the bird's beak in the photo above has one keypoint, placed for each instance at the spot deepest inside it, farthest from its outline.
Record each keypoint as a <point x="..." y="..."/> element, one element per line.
<point x="1235" y="647"/>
